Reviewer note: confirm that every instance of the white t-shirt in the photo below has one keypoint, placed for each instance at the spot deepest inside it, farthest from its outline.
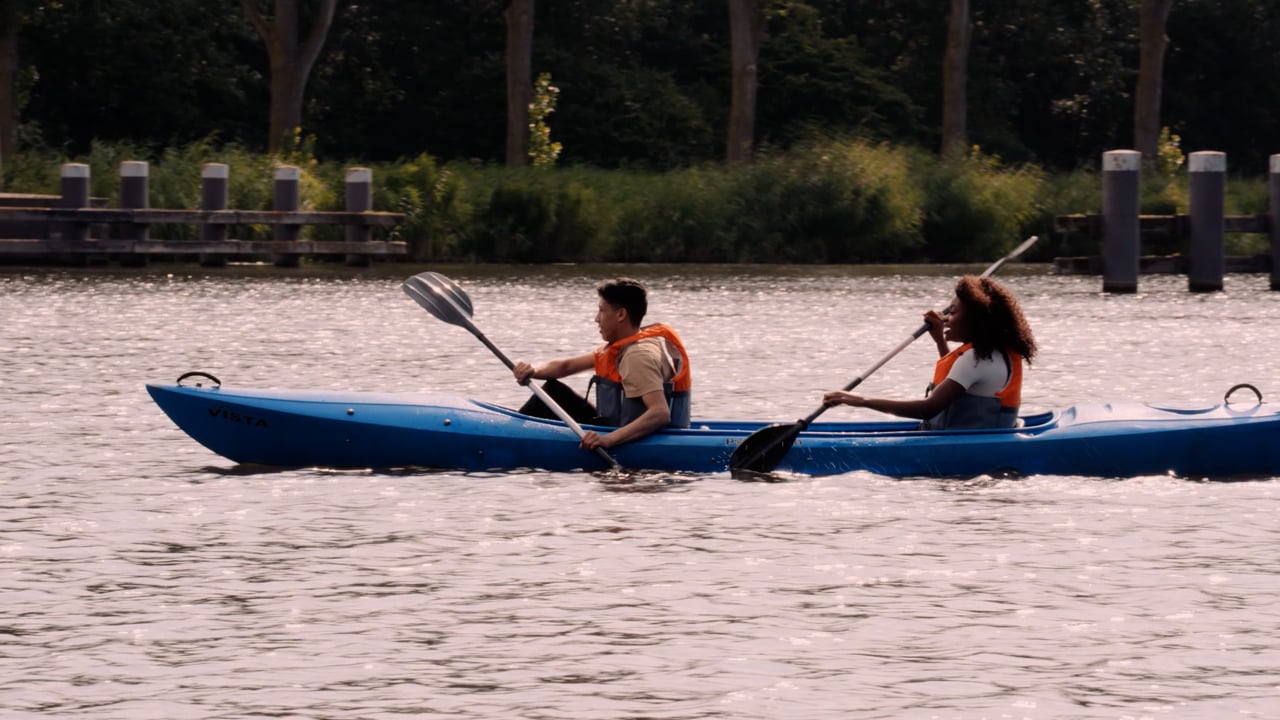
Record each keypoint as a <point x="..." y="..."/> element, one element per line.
<point x="984" y="377"/>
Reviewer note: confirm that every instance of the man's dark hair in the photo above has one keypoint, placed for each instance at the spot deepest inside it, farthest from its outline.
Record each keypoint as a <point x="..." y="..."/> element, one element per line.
<point x="627" y="294"/>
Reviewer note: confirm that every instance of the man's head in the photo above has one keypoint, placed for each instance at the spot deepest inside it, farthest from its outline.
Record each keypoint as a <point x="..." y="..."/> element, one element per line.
<point x="623" y="303"/>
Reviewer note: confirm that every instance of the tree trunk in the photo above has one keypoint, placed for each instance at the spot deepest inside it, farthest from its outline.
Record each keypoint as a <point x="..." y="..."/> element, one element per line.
<point x="1152" y="42"/>
<point x="10" y="20"/>
<point x="955" y="75"/>
<point x="291" y="58"/>
<point x="519" y="16"/>
<point x="746" y="34"/>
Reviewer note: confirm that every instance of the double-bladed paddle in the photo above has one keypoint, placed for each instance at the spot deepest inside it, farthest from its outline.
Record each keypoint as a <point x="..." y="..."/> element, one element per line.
<point x="442" y="297"/>
<point x="763" y="449"/>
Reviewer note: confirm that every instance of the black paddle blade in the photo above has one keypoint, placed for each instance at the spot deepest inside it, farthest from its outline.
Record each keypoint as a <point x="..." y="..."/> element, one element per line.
<point x="440" y="296"/>
<point x="763" y="449"/>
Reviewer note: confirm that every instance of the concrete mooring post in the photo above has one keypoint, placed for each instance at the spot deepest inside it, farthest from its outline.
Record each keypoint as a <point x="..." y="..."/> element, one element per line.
<point x="1120" y="229"/>
<point x="214" y="195"/>
<point x="287" y="198"/>
<point x="75" y="195"/>
<point x="1274" y="176"/>
<point x="1207" y="172"/>
<point x="359" y="198"/>
<point x="134" y="195"/>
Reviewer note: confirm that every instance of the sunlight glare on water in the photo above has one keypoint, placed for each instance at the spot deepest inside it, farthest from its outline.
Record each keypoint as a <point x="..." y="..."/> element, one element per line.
<point x="145" y="577"/>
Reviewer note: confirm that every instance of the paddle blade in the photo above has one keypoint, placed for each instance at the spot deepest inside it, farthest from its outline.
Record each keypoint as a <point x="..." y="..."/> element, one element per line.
<point x="440" y="296"/>
<point x="763" y="449"/>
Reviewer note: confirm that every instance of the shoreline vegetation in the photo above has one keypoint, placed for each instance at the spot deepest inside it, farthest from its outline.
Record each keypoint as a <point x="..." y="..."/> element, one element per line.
<point x="838" y="201"/>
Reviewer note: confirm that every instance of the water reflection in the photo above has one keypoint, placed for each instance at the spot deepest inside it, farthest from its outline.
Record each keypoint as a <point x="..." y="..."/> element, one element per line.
<point x="149" y="578"/>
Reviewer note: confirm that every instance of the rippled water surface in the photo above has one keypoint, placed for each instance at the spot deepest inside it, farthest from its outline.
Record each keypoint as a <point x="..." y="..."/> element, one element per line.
<point x="143" y="577"/>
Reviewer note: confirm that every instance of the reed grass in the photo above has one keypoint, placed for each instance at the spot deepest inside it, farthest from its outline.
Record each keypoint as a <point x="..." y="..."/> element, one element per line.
<point x="827" y="200"/>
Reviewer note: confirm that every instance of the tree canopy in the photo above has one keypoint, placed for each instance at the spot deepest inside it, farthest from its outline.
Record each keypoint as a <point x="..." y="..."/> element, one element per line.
<point x="647" y="82"/>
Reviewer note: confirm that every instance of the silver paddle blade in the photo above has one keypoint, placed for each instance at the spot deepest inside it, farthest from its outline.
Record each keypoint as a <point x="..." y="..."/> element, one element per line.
<point x="440" y="296"/>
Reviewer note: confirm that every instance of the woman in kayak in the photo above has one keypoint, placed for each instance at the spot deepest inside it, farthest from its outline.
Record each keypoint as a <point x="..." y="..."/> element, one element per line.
<point x="978" y="384"/>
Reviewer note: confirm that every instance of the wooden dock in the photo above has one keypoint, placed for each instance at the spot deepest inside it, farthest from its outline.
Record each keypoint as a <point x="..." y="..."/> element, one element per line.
<point x="1200" y="233"/>
<point x="73" y="228"/>
<point x="1159" y="264"/>
<point x="83" y="235"/>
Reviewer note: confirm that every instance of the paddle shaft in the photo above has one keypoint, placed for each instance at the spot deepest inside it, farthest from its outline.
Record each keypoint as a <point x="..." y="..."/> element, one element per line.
<point x="771" y="438"/>
<point x="924" y="328"/>
<point x="442" y="297"/>
<point x="542" y="394"/>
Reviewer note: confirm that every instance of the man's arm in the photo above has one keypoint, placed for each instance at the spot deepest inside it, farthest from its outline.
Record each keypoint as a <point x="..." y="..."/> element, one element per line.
<point x="656" y="415"/>
<point x="553" y="369"/>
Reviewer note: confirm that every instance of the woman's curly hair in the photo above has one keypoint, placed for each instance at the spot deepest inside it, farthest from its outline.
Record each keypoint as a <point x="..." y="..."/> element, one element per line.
<point x="993" y="318"/>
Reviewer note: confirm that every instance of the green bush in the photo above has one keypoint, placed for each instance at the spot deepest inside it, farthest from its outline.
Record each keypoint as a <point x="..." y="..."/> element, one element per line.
<point x="683" y="215"/>
<point x="578" y="226"/>
<point x="827" y="200"/>
<point x="517" y="218"/>
<point x="835" y="202"/>
<point x="974" y="207"/>
<point x="1248" y="197"/>
<point x="1075" y="193"/>
<point x="433" y="201"/>
<point x="536" y="217"/>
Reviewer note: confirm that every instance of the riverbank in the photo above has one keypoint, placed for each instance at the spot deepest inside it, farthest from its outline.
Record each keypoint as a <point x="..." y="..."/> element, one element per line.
<point x="832" y="201"/>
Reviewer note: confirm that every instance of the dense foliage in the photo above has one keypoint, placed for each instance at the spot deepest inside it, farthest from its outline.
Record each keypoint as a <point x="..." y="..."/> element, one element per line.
<point x="827" y="201"/>
<point x="644" y="83"/>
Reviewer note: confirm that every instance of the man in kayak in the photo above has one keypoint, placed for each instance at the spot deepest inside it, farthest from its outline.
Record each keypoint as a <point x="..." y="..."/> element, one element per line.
<point x="979" y="384"/>
<point x="642" y="374"/>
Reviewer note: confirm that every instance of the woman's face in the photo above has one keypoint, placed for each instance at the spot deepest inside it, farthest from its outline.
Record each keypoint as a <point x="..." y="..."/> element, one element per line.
<point x="953" y="323"/>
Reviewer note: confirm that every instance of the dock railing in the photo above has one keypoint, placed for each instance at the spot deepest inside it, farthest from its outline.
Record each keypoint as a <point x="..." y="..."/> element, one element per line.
<point x="76" y="228"/>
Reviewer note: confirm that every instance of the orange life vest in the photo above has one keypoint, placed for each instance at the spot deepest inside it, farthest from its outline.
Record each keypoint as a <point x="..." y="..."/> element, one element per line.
<point x="617" y="409"/>
<point x="977" y="411"/>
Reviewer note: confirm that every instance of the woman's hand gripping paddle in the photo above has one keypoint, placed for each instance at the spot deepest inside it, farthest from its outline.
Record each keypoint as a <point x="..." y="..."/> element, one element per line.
<point x="763" y="449"/>
<point x="442" y="297"/>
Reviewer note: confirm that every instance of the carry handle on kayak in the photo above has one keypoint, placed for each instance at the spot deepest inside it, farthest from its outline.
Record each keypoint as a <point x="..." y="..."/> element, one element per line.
<point x="444" y="299"/>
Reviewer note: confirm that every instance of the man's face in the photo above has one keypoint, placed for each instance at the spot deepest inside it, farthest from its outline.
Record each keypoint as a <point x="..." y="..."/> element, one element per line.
<point x="610" y="319"/>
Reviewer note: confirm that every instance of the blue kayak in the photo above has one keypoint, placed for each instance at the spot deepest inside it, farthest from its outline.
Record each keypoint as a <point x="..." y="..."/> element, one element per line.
<point x="304" y="428"/>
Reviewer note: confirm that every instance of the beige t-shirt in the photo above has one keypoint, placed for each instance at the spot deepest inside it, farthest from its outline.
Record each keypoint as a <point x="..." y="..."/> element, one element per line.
<point x="644" y="366"/>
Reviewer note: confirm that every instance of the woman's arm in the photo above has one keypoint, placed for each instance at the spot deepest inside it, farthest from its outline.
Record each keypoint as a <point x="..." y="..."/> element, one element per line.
<point x="937" y="401"/>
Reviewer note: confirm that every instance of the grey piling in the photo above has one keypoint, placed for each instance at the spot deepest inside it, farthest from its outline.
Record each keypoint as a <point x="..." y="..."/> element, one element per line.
<point x="1120" y="229"/>
<point x="287" y="199"/>
<point x="75" y="195"/>
<point x="134" y="195"/>
<point x="214" y="194"/>
<point x="1275" y="221"/>
<point x="1207" y="173"/>
<point x="359" y="198"/>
